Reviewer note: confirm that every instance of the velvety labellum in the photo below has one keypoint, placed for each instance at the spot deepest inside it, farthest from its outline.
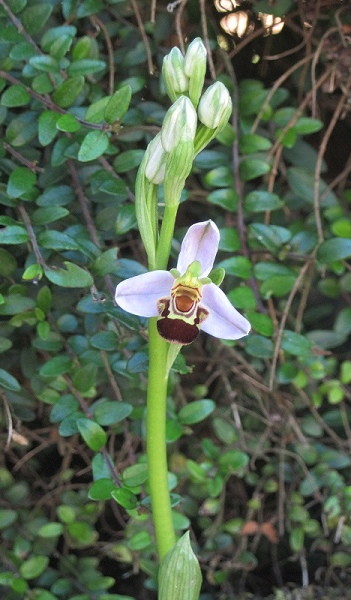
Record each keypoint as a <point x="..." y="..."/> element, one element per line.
<point x="181" y="315"/>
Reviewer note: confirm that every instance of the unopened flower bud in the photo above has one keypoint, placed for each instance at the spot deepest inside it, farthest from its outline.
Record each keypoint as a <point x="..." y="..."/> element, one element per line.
<point x="215" y="106"/>
<point x="173" y="74"/>
<point x="179" y="124"/>
<point x="155" y="161"/>
<point x="195" y="68"/>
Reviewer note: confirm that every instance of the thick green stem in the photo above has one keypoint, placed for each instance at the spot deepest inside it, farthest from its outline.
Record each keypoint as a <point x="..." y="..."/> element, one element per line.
<point x="156" y="441"/>
<point x="166" y="235"/>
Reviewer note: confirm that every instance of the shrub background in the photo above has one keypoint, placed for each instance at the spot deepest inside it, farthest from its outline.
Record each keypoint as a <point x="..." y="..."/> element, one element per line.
<point x="259" y="430"/>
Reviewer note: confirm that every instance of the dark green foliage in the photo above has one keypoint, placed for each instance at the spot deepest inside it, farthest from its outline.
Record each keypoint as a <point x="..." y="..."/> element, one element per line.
<point x="258" y="430"/>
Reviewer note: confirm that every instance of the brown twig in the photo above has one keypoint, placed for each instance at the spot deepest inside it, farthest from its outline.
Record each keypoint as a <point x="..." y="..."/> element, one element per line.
<point x="9" y="421"/>
<point x="32" y="236"/>
<point x="283" y="321"/>
<point x="113" y="382"/>
<point x="319" y="161"/>
<point x="17" y="23"/>
<point x="206" y="40"/>
<point x="46" y="100"/>
<point x="22" y="159"/>
<point x="83" y="203"/>
<point x="144" y="37"/>
<point x="298" y="112"/>
<point x="178" y="25"/>
<point x="275" y="86"/>
<point x="111" y="63"/>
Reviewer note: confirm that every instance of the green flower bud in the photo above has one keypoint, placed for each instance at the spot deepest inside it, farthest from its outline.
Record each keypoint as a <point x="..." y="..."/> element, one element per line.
<point x="179" y="124"/>
<point x="195" y="68"/>
<point x="180" y="574"/>
<point x="155" y="161"/>
<point x="215" y="107"/>
<point x="174" y="77"/>
<point x="178" y="167"/>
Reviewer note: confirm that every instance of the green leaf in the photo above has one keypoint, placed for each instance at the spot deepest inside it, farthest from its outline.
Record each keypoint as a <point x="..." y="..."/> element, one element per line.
<point x="94" y="145"/>
<point x="44" y="63"/>
<point x="295" y="343"/>
<point x="118" y="104"/>
<point x="57" y="240"/>
<point x="261" y="200"/>
<point x="279" y="9"/>
<point x="68" y="123"/>
<point x="86" y="66"/>
<point x="219" y="177"/>
<point x="261" y="323"/>
<point x="135" y="475"/>
<point x="278" y="285"/>
<point x="296" y="539"/>
<point x="58" y="365"/>
<point x="21" y="182"/>
<point x="105" y="340"/>
<point x="125" y="498"/>
<point x="196" y="411"/>
<point x="33" y="272"/>
<point x="34" y="566"/>
<point x="64" y="406"/>
<point x="251" y="142"/>
<point x="226" y="198"/>
<point x="35" y="16"/>
<point x="68" y="91"/>
<point x="14" y="234"/>
<point x="240" y="266"/>
<point x="243" y="297"/>
<point x="96" y="111"/>
<point x="270" y="236"/>
<point x="8" y="263"/>
<point x="126" y="219"/>
<point x="47" y="126"/>
<point x="229" y="240"/>
<point x="326" y="338"/>
<point x="128" y="160"/>
<point x="22" y="129"/>
<point x="48" y="214"/>
<point x="251" y="167"/>
<point x="84" y="378"/>
<point x="50" y="530"/>
<point x="301" y="182"/>
<point x="71" y="276"/>
<point x="180" y="575"/>
<point x="7" y="517"/>
<point x="93" y="435"/>
<point x="306" y="125"/>
<point x="235" y="460"/>
<point x="110" y="413"/>
<point x="265" y="269"/>
<point x="101" y="489"/>
<point x="16" y="95"/>
<point x="334" y="249"/>
<point x="139" y="541"/>
<point x="259" y="346"/>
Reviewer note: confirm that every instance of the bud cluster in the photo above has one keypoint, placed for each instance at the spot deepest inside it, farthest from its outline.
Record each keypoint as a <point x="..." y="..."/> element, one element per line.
<point x="193" y="120"/>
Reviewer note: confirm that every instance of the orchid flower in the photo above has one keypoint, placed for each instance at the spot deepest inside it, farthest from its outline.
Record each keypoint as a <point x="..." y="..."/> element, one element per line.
<point x="185" y="299"/>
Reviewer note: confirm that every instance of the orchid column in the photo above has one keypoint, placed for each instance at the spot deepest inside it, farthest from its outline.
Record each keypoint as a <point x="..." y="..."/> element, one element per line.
<point x="184" y="300"/>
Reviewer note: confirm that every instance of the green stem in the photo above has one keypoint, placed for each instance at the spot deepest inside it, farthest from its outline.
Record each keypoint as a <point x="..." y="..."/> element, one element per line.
<point x="156" y="441"/>
<point x="166" y="236"/>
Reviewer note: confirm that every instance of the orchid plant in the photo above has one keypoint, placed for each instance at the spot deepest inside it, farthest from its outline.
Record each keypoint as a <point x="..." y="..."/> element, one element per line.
<point x="180" y="302"/>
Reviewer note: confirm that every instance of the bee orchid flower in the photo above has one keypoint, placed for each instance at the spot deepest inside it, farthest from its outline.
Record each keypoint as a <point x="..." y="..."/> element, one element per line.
<point x="185" y="299"/>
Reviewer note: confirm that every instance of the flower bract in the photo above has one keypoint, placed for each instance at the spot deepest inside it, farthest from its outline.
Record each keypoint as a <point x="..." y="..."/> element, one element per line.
<point x="185" y="299"/>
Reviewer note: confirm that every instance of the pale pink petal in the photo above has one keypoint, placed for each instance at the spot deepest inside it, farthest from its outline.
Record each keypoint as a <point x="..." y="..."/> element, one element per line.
<point x="223" y="321"/>
<point x="138" y="295"/>
<point x="200" y="243"/>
